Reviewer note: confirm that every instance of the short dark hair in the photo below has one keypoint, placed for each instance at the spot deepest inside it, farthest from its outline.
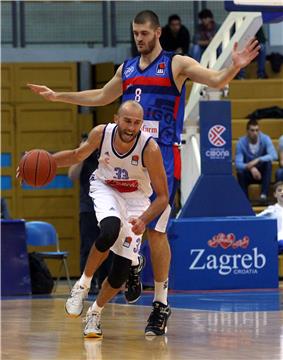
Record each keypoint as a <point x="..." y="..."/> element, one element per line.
<point x="277" y="184"/>
<point x="147" y="16"/>
<point x="174" y="18"/>
<point x="205" y="13"/>
<point x="251" y="122"/>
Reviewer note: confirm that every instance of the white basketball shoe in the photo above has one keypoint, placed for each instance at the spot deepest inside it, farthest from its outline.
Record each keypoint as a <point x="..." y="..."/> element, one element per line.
<point x="75" y="304"/>
<point x="92" y="328"/>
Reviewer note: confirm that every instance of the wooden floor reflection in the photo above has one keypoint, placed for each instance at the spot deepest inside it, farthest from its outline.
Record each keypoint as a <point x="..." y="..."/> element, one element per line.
<point x="37" y="329"/>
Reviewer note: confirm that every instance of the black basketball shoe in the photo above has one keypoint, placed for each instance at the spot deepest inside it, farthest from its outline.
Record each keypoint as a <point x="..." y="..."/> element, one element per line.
<point x="157" y="321"/>
<point x="133" y="285"/>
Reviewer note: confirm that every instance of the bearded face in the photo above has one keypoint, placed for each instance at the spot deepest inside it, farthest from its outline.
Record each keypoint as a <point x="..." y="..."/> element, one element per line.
<point x="146" y="37"/>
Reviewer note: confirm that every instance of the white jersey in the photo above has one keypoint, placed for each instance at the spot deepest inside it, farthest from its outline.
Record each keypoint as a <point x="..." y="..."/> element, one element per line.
<point x="276" y="212"/>
<point x="125" y="173"/>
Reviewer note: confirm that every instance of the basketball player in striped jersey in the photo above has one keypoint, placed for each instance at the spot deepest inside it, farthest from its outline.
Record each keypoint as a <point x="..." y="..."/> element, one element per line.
<point x="156" y="80"/>
<point x="130" y="166"/>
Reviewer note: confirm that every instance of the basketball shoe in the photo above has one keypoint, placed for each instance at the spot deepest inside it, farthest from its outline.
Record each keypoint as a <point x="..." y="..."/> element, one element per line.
<point x="92" y="328"/>
<point x="75" y="304"/>
<point x="157" y="321"/>
<point x="133" y="285"/>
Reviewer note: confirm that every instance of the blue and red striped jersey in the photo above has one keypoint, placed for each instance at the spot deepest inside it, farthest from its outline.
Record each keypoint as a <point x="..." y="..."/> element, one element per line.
<point x="155" y="89"/>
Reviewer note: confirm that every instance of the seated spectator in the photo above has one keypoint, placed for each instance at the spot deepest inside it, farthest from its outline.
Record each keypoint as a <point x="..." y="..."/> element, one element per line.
<point x="276" y="211"/>
<point x="279" y="172"/>
<point x="254" y="155"/>
<point x="261" y="58"/>
<point x="175" y="36"/>
<point x="204" y="33"/>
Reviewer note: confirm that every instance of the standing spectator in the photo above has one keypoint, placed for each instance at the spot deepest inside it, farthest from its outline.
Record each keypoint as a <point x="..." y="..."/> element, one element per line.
<point x="279" y="172"/>
<point x="261" y="58"/>
<point x="175" y="36"/>
<point x="204" y="33"/>
<point x="254" y="155"/>
<point x="89" y="229"/>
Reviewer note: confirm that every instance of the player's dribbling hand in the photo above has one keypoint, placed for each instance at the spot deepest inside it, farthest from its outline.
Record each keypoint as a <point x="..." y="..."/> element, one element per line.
<point x="43" y="91"/>
<point x="138" y="227"/>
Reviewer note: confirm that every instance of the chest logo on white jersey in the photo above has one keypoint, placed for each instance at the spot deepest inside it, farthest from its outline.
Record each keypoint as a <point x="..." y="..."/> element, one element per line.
<point x="135" y="160"/>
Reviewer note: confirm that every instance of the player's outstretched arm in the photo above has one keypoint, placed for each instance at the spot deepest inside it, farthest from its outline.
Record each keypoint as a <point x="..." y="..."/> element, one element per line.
<point x="67" y="158"/>
<point x="154" y="164"/>
<point x="189" y="68"/>
<point x="98" y="97"/>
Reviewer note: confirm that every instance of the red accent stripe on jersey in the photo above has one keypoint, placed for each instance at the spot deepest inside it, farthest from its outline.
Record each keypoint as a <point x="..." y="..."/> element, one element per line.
<point x="123" y="185"/>
<point x="177" y="162"/>
<point x="143" y="80"/>
<point x="176" y="107"/>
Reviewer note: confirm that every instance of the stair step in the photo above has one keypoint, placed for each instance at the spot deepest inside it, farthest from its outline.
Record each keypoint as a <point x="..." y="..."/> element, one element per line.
<point x="242" y="107"/>
<point x="258" y="209"/>
<point x="256" y="89"/>
<point x="252" y="69"/>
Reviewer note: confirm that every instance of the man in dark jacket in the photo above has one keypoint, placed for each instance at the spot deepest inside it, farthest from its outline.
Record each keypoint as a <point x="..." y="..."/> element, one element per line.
<point x="205" y="32"/>
<point x="175" y="36"/>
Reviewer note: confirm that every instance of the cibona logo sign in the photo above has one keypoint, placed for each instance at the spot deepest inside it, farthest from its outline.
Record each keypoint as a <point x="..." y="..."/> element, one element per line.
<point x="214" y="135"/>
<point x="225" y="264"/>
<point x="216" y="139"/>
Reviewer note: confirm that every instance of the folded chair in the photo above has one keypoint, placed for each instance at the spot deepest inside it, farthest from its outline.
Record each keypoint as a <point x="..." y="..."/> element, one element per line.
<point x="40" y="233"/>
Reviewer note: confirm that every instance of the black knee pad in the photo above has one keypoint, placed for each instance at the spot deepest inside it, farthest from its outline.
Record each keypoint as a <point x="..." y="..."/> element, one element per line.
<point x="109" y="231"/>
<point x="119" y="272"/>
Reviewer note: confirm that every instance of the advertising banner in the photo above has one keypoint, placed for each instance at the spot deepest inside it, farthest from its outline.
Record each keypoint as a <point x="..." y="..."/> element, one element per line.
<point x="224" y="253"/>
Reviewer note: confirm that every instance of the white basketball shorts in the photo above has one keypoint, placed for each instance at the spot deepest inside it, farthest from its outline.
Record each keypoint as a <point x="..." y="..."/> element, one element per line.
<point x="109" y="202"/>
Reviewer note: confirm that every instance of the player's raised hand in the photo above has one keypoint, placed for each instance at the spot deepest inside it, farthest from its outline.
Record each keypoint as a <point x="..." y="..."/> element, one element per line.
<point x="244" y="57"/>
<point x="138" y="227"/>
<point x="43" y="91"/>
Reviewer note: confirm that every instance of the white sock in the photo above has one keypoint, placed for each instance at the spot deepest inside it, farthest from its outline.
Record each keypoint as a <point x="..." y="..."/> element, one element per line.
<point x="96" y="308"/>
<point x="161" y="291"/>
<point x="85" y="281"/>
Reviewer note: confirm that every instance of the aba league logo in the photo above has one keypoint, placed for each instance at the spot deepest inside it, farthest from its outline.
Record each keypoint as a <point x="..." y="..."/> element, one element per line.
<point x="214" y="135"/>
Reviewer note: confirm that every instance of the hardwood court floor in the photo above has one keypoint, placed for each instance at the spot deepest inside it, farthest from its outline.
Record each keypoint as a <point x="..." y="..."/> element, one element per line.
<point x="220" y="326"/>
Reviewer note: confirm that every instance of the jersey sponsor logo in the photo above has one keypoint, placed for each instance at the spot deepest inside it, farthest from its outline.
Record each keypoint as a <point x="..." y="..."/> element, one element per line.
<point x="160" y="70"/>
<point x="123" y="185"/>
<point x="127" y="242"/>
<point x="161" y="110"/>
<point x="135" y="160"/>
<point x="214" y="135"/>
<point x="151" y="127"/>
<point x="128" y="71"/>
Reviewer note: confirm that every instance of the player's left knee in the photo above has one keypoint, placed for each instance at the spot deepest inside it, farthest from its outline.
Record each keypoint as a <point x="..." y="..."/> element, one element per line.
<point x="119" y="272"/>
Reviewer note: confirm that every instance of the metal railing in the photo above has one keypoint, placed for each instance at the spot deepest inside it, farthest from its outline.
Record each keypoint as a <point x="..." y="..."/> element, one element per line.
<point x="88" y="23"/>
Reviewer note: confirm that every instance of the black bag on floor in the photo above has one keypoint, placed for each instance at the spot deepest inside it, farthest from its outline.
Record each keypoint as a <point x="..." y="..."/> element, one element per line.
<point x="41" y="279"/>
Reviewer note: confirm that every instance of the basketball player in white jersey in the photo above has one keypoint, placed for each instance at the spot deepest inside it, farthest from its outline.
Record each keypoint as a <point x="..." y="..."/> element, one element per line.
<point x="139" y="79"/>
<point x="130" y="166"/>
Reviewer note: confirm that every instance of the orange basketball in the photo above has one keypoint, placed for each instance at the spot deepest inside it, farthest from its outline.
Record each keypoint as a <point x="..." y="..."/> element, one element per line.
<point x="37" y="168"/>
